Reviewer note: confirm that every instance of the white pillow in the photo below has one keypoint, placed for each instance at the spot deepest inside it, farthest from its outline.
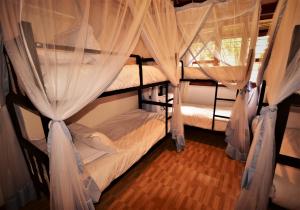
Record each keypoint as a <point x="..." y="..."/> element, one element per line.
<point x="87" y="153"/>
<point x="92" y="138"/>
<point x="62" y="57"/>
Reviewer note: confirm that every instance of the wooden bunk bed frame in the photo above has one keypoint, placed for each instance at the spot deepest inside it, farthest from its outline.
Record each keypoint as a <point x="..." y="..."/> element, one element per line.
<point x="37" y="161"/>
<point x="283" y="110"/>
<point x="280" y="127"/>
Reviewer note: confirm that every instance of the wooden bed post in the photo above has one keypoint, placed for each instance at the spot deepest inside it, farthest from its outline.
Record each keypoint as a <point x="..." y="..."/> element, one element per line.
<point x="215" y="104"/>
<point x="34" y="162"/>
<point x="167" y="101"/>
<point x="261" y="97"/>
<point x="140" y="90"/>
<point x="182" y="70"/>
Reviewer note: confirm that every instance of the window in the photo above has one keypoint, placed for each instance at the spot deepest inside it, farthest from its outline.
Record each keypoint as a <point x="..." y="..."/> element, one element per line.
<point x="261" y="46"/>
<point x="230" y="50"/>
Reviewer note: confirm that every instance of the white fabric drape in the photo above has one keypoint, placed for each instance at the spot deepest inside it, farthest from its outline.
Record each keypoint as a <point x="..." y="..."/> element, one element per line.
<point x="160" y="35"/>
<point x="272" y="32"/>
<point x="66" y="81"/>
<point x="16" y="188"/>
<point x="225" y="45"/>
<point x="282" y="79"/>
<point x="184" y="89"/>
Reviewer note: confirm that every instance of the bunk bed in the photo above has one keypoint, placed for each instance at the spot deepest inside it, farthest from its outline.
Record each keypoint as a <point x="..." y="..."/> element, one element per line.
<point x="128" y="141"/>
<point x="286" y="180"/>
<point x="213" y="117"/>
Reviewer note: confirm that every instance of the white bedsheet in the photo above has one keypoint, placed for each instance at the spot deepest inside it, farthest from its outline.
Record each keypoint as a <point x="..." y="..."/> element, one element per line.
<point x="134" y="133"/>
<point x="228" y="73"/>
<point x="202" y="116"/>
<point x="129" y="77"/>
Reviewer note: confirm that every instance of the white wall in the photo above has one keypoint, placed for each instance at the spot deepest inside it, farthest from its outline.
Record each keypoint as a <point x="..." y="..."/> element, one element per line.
<point x="93" y="114"/>
<point x="205" y="95"/>
<point x="103" y="109"/>
<point x="294" y="118"/>
<point x="32" y="126"/>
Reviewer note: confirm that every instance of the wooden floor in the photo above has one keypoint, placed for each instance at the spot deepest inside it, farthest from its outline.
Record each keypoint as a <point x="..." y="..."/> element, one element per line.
<point x="200" y="177"/>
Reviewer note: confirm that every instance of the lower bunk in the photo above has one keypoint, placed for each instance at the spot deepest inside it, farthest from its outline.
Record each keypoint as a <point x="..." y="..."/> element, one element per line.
<point x="286" y="182"/>
<point x="107" y="150"/>
<point x="202" y="116"/>
<point x="134" y="133"/>
<point x="285" y="189"/>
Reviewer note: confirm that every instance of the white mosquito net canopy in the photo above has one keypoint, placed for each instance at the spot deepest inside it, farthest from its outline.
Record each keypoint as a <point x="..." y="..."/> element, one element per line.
<point x="223" y="49"/>
<point x="60" y="77"/>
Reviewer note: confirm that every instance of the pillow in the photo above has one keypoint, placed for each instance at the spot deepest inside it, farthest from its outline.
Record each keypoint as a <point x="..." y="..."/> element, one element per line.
<point x="63" y="57"/>
<point x="92" y="138"/>
<point x="87" y="153"/>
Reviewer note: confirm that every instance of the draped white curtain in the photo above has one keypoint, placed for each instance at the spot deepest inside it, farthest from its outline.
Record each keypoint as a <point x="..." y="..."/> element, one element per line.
<point x="16" y="188"/>
<point x="184" y="89"/>
<point x="160" y="35"/>
<point x="272" y="32"/>
<point x="282" y="77"/>
<point x="63" y="82"/>
<point x="223" y="49"/>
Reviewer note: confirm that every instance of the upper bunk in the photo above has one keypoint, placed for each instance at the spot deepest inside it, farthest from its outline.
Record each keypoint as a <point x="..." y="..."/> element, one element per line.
<point x="194" y="73"/>
<point x="135" y="74"/>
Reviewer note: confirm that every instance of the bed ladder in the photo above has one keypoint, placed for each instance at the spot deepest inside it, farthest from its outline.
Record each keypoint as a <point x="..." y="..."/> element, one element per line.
<point x="215" y="106"/>
<point x="280" y="127"/>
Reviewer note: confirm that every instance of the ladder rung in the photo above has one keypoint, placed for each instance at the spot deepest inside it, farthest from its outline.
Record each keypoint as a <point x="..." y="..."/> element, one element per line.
<point x="226" y="117"/>
<point x="225" y="99"/>
<point x="287" y="160"/>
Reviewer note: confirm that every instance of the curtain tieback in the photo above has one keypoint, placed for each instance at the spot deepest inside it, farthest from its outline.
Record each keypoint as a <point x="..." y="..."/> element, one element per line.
<point x="54" y="121"/>
<point x="64" y="128"/>
<point x="267" y="109"/>
<point x="244" y="90"/>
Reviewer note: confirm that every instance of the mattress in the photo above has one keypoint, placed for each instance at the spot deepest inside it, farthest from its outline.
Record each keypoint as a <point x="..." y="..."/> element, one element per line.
<point x="202" y="116"/>
<point x="227" y="73"/>
<point x="134" y="133"/>
<point x="129" y="77"/>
